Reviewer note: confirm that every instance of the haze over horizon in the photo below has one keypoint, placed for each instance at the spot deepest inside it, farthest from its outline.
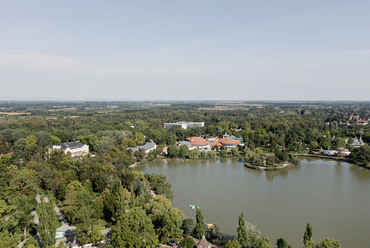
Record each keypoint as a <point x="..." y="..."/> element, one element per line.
<point x="185" y="50"/>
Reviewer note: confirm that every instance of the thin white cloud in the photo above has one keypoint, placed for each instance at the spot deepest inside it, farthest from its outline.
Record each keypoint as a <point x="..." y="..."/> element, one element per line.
<point x="38" y="60"/>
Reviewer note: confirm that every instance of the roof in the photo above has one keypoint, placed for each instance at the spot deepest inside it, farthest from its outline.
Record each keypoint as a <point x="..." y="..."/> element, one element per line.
<point x="147" y="146"/>
<point x="183" y="143"/>
<point x="203" y="243"/>
<point x="216" y="143"/>
<point x="199" y="143"/>
<point x="230" y="141"/>
<point x="70" y="145"/>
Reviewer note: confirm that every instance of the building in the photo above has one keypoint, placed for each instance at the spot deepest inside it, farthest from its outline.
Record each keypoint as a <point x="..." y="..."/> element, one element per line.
<point x="330" y="152"/>
<point x="213" y="143"/>
<point x="75" y="148"/>
<point x="147" y="147"/>
<point x="230" y="143"/>
<point x="203" y="243"/>
<point x="357" y="142"/>
<point x="184" y="124"/>
<point x="200" y="144"/>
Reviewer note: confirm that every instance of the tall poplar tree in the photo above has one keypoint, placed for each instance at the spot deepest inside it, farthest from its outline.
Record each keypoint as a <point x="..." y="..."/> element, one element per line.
<point x="199" y="230"/>
<point x="242" y="231"/>
<point x="307" y="237"/>
<point x="48" y="222"/>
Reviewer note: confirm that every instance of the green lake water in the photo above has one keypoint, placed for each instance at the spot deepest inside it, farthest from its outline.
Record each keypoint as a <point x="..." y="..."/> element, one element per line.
<point x="334" y="197"/>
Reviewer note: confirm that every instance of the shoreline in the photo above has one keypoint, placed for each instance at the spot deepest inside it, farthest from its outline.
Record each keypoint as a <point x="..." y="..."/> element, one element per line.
<point x="270" y="168"/>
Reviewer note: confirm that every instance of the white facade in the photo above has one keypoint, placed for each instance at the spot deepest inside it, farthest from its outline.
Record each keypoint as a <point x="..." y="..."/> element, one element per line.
<point x="75" y="149"/>
<point x="184" y="124"/>
<point x="330" y="152"/>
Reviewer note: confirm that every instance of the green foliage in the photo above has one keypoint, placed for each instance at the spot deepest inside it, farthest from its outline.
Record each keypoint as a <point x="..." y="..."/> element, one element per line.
<point x="194" y="154"/>
<point x="187" y="243"/>
<point x="308" y="241"/>
<point x="8" y="240"/>
<point x="234" y="151"/>
<point x="183" y="151"/>
<point x="233" y="244"/>
<point x="160" y="185"/>
<point x="328" y="243"/>
<point x="48" y="221"/>
<point x="214" y="233"/>
<point x="172" y="151"/>
<point x="282" y="243"/>
<point x="223" y="153"/>
<point x="361" y="155"/>
<point x="263" y="243"/>
<point x="134" y="229"/>
<point x="242" y="235"/>
<point x="199" y="230"/>
<point x="188" y="226"/>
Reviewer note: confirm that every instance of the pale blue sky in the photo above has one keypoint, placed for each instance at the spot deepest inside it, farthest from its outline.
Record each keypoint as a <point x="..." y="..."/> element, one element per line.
<point x="185" y="50"/>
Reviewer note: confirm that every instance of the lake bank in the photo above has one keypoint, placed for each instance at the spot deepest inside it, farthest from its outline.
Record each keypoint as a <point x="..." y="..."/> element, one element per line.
<point x="280" y="203"/>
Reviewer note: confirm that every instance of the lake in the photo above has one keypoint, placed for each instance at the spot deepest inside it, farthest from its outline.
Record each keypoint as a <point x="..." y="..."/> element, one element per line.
<point x="334" y="197"/>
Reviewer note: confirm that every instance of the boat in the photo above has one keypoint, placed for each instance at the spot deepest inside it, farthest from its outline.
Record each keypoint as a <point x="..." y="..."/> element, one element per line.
<point x="194" y="206"/>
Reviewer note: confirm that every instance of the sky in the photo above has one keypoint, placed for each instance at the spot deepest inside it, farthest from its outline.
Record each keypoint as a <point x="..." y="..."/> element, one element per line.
<point x="184" y="50"/>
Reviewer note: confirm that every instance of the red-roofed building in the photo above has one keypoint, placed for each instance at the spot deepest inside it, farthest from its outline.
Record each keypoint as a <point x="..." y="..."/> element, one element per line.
<point x="230" y="143"/>
<point x="200" y="144"/>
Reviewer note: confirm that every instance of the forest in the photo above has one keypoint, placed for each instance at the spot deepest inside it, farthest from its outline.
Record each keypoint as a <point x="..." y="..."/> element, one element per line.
<point x="100" y="193"/>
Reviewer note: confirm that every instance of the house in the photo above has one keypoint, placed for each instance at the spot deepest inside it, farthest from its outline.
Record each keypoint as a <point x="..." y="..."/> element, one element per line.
<point x="148" y="147"/>
<point x="207" y="144"/>
<point x="200" y="144"/>
<point x="344" y="152"/>
<point x="330" y="152"/>
<point x="184" y="124"/>
<point x="75" y="148"/>
<point x="203" y="243"/>
<point x="357" y="142"/>
<point x="229" y="143"/>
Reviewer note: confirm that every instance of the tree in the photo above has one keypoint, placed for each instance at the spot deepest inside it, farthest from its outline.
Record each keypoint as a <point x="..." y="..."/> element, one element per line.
<point x="188" y="226"/>
<point x="242" y="235"/>
<point x="48" y="222"/>
<point x="134" y="229"/>
<point x="223" y="153"/>
<point x="233" y="244"/>
<point x="235" y="151"/>
<point x="199" y="230"/>
<point x="104" y="145"/>
<point x="282" y="243"/>
<point x="307" y="237"/>
<point x="167" y="225"/>
<point x="194" y="154"/>
<point x="183" y="151"/>
<point x="328" y="243"/>
<point x="214" y="233"/>
<point x="361" y="154"/>
<point x="253" y="234"/>
<point x="187" y="243"/>
<point x="3" y="146"/>
<point x="172" y="151"/>
<point x="263" y="243"/>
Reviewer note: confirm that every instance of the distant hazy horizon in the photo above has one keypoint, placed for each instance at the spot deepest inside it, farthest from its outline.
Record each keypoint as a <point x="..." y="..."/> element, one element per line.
<point x="184" y="50"/>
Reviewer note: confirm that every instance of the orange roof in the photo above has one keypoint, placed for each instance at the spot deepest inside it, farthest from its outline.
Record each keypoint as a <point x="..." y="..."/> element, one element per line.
<point x="199" y="143"/>
<point x="230" y="141"/>
<point x="215" y="144"/>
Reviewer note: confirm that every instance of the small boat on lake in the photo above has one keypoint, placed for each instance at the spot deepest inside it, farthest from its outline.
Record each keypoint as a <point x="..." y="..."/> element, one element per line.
<point x="194" y="206"/>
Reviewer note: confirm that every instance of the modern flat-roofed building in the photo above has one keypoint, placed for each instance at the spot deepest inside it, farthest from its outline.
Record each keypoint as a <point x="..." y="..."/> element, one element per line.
<point x="184" y="124"/>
